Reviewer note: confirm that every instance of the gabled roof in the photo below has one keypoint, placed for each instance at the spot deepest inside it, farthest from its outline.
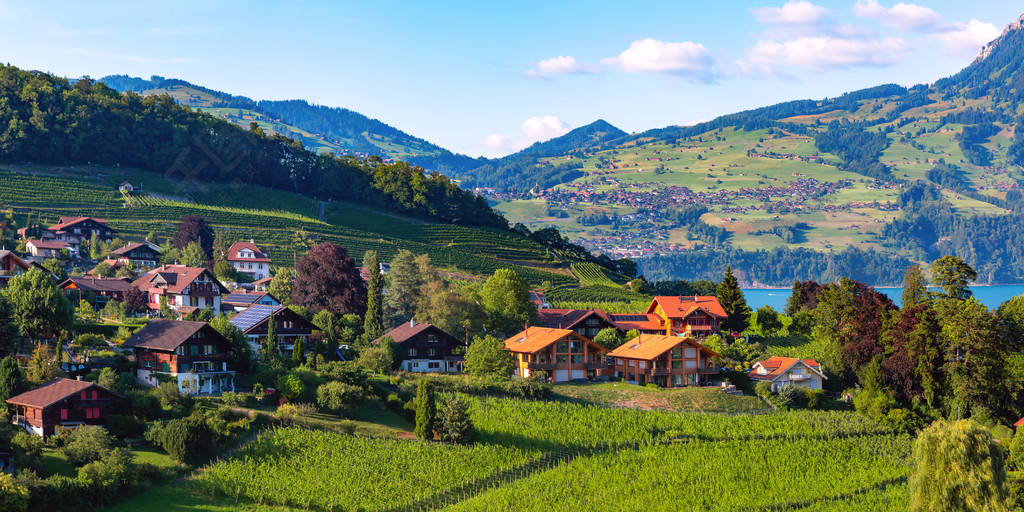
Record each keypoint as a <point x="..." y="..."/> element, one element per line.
<point x="162" y="334"/>
<point x="537" y="338"/>
<point x="52" y="392"/>
<point x="776" y="366"/>
<point x="49" y="244"/>
<point x="238" y="298"/>
<point x="66" y="222"/>
<point x="568" y="318"/>
<point x="131" y="247"/>
<point x="640" y="322"/>
<point x="4" y="254"/>
<point x="115" y="264"/>
<point x="260" y="256"/>
<point x="649" y="347"/>
<point x="176" y="277"/>
<point x="681" y="307"/>
<point x="98" y="284"/>
<point x="255" y="315"/>
<point x="407" y="330"/>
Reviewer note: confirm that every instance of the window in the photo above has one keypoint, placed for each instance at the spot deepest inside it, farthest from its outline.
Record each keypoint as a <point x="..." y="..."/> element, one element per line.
<point x="562" y="346"/>
<point x="209" y="349"/>
<point x="412" y="352"/>
<point x="64" y="414"/>
<point x="431" y="338"/>
<point x="576" y="347"/>
<point x="632" y="377"/>
<point x="618" y="361"/>
<point x="677" y="353"/>
<point x="147" y="363"/>
<point x="577" y="359"/>
<point x="193" y="301"/>
<point x="193" y="350"/>
<point x="643" y="364"/>
<point x="561" y="358"/>
<point x="691" y="364"/>
<point x="632" y="363"/>
<point x="432" y="352"/>
<point x="691" y="352"/>
<point x="591" y="322"/>
<point x="209" y="302"/>
<point x="83" y="395"/>
<point x="180" y="350"/>
<point x="677" y="365"/>
<point x="434" y="365"/>
<point x="184" y="368"/>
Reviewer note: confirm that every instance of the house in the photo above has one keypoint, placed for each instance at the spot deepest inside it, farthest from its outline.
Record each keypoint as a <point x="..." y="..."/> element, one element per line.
<point x="106" y="287"/>
<point x="788" y="371"/>
<point x="289" y="325"/>
<point x="249" y="260"/>
<point x="10" y="266"/>
<point x="642" y="323"/>
<point x="539" y="299"/>
<point x="668" y="361"/>
<point x="138" y="255"/>
<point x="185" y="289"/>
<point x="126" y="186"/>
<point x="240" y="300"/>
<point x="563" y="354"/>
<point x="262" y="284"/>
<point x="45" y="249"/>
<point x="61" y="403"/>
<point x="585" y="322"/>
<point x="427" y="348"/>
<point x="194" y="354"/>
<point x="75" y="230"/>
<point x="695" y="316"/>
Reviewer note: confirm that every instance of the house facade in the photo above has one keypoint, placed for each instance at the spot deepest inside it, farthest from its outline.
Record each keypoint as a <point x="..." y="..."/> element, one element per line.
<point x="76" y="230"/>
<point x="10" y="266"/>
<point x="194" y="354"/>
<point x="185" y="289"/>
<point x="249" y="260"/>
<point x="61" y="403"/>
<point x="789" y="371"/>
<point x="77" y="287"/>
<point x="144" y="255"/>
<point x="585" y="322"/>
<point x="427" y="348"/>
<point x="668" y="361"/>
<point x="695" y="316"/>
<point x="46" y="249"/>
<point x="562" y="353"/>
<point x="290" y="327"/>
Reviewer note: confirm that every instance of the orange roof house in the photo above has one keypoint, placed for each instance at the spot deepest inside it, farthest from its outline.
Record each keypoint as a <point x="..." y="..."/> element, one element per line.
<point x="668" y="361"/>
<point x="184" y="287"/>
<point x="563" y="354"/>
<point x="689" y="315"/>
<point x="789" y="371"/>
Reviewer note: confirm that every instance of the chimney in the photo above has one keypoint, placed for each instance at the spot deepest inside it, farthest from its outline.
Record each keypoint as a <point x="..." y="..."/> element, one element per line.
<point x="412" y="323"/>
<point x="79" y="378"/>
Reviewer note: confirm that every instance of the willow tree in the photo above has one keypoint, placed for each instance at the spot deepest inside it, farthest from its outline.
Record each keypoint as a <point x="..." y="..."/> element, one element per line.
<point x="957" y="467"/>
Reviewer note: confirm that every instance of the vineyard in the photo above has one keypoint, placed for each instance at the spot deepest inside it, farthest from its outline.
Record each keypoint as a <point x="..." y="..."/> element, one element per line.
<point x="590" y="274"/>
<point x="595" y="294"/>
<point x="561" y="456"/>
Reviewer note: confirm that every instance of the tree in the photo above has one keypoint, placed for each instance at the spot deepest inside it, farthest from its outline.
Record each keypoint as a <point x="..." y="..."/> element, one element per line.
<point x="327" y="278"/>
<point x="186" y="439"/>
<point x="12" y="381"/>
<point x="957" y="468"/>
<point x="297" y="352"/>
<point x="125" y="272"/>
<point x="290" y="386"/>
<point x="87" y="443"/>
<point x="405" y="287"/>
<point x="506" y="301"/>
<point x="953" y="277"/>
<point x="270" y="342"/>
<point x="9" y="330"/>
<point x="1011" y="312"/>
<point x="281" y="285"/>
<point x="194" y="228"/>
<point x="97" y="249"/>
<point x="335" y="396"/>
<point x="373" y="321"/>
<point x="768" y="320"/>
<point x="14" y="497"/>
<point x="450" y="308"/>
<point x="376" y="359"/>
<point x="426" y="411"/>
<point x="735" y="305"/>
<point x="453" y="420"/>
<point x="609" y="338"/>
<point x="40" y="306"/>
<point x="103" y="269"/>
<point x="136" y="300"/>
<point x="193" y="255"/>
<point x="241" y="351"/>
<point x="224" y="270"/>
<point x="915" y="288"/>
<point x="56" y="267"/>
<point x="975" y="361"/>
<point x="42" y="367"/>
<point x="165" y="309"/>
<point x="488" y="356"/>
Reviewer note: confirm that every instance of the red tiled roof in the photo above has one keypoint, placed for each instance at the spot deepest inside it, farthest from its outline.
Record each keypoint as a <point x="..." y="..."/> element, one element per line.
<point x="777" y="365"/>
<point x="49" y="244"/>
<point x="261" y="257"/>
<point x="649" y="347"/>
<point x="537" y="338"/>
<point x="681" y="307"/>
<point x="52" y="392"/>
<point x="65" y="222"/>
<point x="98" y="284"/>
<point x="264" y="281"/>
<point x="177" y="278"/>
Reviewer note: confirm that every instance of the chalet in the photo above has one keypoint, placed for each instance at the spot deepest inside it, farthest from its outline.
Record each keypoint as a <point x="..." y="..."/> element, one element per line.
<point x="788" y="371"/>
<point x="562" y="353"/>
<point x="427" y="348"/>
<point x="668" y="361"/>
<point x="107" y="287"/>
<point x="289" y="325"/>
<point x="242" y="300"/>
<point x="11" y="265"/>
<point x="126" y="186"/>
<point x="194" y="354"/>
<point x="249" y="260"/>
<point x="76" y="230"/>
<point x="694" y="316"/>
<point x="585" y="322"/>
<point x="186" y="288"/>
<point x="61" y="403"/>
<point x="144" y="255"/>
<point x="46" y="249"/>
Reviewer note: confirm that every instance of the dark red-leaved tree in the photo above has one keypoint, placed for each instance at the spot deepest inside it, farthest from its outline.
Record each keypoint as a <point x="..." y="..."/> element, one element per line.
<point x="136" y="299"/>
<point x="194" y="228"/>
<point x="327" y="278"/>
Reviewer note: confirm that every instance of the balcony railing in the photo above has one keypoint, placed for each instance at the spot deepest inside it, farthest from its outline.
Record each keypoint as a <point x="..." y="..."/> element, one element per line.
<point x="596" y="366"/>
<point x="542" y="366"/>
<point x="707" y="371"/>
<point x="799" y="377"/>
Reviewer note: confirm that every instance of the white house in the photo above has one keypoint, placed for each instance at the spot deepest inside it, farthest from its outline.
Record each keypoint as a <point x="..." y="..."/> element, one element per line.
<point x="788" y="371"/>
<point x="249" y="260"/>
<point x="185" y="289"/>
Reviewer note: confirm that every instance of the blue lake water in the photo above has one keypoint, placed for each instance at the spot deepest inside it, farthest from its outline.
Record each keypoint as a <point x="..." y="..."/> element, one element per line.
<point x="990" y="296"/>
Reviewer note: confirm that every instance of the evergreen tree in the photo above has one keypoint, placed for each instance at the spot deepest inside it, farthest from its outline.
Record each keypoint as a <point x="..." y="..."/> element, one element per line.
<point x="796" y="300"/>
<point x="271" y="341"/>
<point x="426" y="411"/>
<point x="735" y="305"/>
<point x="453" y="422"/>
<point x="9" y="331"/>
<point x="42" y="366"/>
<point x="281" y="285"/>
<point x="957" y="468"/>
<point x="297" y="352"/>
<point x="953" y="276"/>
<point x="97" y="249"/>
<point x="12" y="381"/>
<point x="373" y="323"/>
<point x="915" y="288"/>
<point x="405" y="288"/>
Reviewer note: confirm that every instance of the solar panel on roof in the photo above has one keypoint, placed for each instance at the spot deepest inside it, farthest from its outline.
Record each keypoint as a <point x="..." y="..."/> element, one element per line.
<point x="629" y="318"/>
<point x="241" y="298"/>
<point x="253" y="315"/>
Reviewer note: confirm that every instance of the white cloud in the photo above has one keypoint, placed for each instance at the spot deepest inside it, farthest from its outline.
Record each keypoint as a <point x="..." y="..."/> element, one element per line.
<point x="497" y="142"/>
<point x="562" y="65"/>
<point x="964" y="40"/>
<point x="653" y="56"/>
<point x="792" y="13"/>
<point x="909" y="17"/>
<point x="534" y="129"/>
<point x="767" y="57"/>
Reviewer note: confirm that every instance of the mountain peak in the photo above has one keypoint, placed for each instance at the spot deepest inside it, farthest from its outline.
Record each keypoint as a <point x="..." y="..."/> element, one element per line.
<point x="988" y="48"/>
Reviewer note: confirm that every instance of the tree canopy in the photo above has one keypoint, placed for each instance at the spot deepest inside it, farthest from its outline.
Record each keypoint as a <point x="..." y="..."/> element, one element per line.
<point x="327" y="278"/>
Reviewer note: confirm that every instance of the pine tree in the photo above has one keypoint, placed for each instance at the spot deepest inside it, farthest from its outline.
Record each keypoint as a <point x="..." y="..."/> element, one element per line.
<point x="297" y="352"/>
<point x="373" y="323"/>
<point x="271" y="347"/>
<point x="426" y="411"/>
<point x="735" y="305"/>
<point x="915" y="289"/>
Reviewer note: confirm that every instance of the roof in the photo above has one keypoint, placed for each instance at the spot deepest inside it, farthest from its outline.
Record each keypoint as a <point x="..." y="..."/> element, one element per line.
<point x="116" y="264"/>
<point x="255" y="315"/>
<point x="568" y="318"/>
<point x="98" y="284"/>
<point x="163" y="334"/>
<point x="681" y="307"/>
<point x="776" y="366"/>
<point x="247" y="298"/>
<point x="640" y="322"/>
<point x="4" y="254"/>
<point x="177" y="278"/>
<point x="648" y="346"/>
<point x="131" y="247"/>
<point x="52" y="392"/>
<point x="238" y="246"/>
<point x="65" y="222"/>
<point x="537" y="338"/>
<point x="49" y="244"/>
<point x="263" y="282"/>
<point x="407" y="330"/>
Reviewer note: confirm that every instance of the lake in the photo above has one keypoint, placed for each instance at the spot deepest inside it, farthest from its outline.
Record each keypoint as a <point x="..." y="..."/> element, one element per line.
<point x="990" y="296"/>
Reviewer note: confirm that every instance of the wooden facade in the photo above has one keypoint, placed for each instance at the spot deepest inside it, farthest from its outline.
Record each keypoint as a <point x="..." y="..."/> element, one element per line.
<point x="193" y="353"/>
<point x="694" y="316"/>
<point x="668" y="361"/>
<point x="427" y="348"/>
<point x="563" y="354"/>
<point x="61" y="403"/>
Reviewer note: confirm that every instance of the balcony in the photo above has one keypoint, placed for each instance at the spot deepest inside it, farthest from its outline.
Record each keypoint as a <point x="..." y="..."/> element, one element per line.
<point x="596" y="366"/>
<point x="799" y="377"/>
<point x="542" y="366"/>
<point x="706" y="371"/>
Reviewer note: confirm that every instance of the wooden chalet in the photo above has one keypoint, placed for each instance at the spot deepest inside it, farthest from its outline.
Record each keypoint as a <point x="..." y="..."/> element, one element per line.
<point x="290" y="326"/>
<point x="241" y="300"/>
<point x="695" y="316"/>
<point x="76" y="230"/>
<point x="427" y="348"/>
<point x="249" y="259"/>
<point x="75" y="287"/>
<point x="668" y="361"/>
<point x="10" y="266"/>
<point x="136" y="255"/>
<point x="563" y="354"/>
<point x="186" y="288"/>
<point x="61" y="403"/>
<point x="585" y="322"/>
<point x="193" y="353"/>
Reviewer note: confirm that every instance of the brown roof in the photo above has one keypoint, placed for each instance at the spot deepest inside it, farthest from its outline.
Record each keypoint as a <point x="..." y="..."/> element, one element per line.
<point x="177" y="277"/>
<point x="775" y="366"/>
<point x="52" y="392"/>
<point x="163" y="334"/>
<point x="65" y="222"/>
<point x="260" y="256"/>
<point x="98" y="284"/>
<point x="405" y="331"/>
<point x="131" y="247"/>
<point x="568" y="318"/>
<point x="49" y="244"/>
<point x="640" y="322"/>
<point x="681" y="307"/>
<point x="4" y="254"/>
<point x="649" y="347"/>
<point x="537" y="338"/>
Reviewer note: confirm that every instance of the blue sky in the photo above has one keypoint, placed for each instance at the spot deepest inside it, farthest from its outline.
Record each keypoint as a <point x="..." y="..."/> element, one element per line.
<point x="488" y="78"/>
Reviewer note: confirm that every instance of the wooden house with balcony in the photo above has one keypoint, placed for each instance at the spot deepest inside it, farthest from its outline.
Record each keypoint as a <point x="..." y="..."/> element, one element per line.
<point x="194" y="354"/>
<point x="563" y="354"/>
<point x="290" y="327"/>
<point x="691" y="315"/>
<point x="668" y="361"/>
<point x="144" y="255"/>
<point x="11" y="265"/>
<point x="61" y="403"/>
<point x="789" y="371"/>
<point x="585" y="322"/>
<point x="427" y="348"/>
<point x="185" y="289"/>
<point x="101" y="289"/>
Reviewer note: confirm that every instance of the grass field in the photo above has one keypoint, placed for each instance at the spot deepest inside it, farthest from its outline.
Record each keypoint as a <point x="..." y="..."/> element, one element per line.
<point x="697" y="400"/>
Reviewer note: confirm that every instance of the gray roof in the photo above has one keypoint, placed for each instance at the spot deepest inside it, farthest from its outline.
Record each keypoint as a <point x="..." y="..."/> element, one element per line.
<point x="163" y="334"/>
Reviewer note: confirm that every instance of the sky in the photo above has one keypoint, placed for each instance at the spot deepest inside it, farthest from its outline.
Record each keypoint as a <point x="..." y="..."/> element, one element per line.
<point x="489" y="78"/>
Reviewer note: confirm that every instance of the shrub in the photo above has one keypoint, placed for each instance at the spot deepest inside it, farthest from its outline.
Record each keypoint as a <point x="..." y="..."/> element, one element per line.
<point x="453" y="421"/>
<point x="87" y="443"/>
<point x="763" y="388"/>
<point x="107" y="476"/>
<point x="651" y="385"/>
<point x="13" y="496"/>
<point x="186" y="439"/>
<point x="814" y="398"/>
<point x="237" y="399"/>
<point x="290" y="386"/>
<point x="791" y="396"/>
<point x="125" y="427"/>
<point x="29" y="448"/>
<point x="335" y="396"/>
<point x="902" y="420"/>
<point x="410" y="411"/>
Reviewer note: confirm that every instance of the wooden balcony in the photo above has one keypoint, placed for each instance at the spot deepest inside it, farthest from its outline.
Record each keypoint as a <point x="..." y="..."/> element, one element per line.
<point x="543" y="366"/>
<point x="596" y="366"/>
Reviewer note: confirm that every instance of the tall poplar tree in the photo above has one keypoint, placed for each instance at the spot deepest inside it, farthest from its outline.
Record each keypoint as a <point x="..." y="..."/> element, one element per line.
<point x="373" y="323"/>
<point x="426" y="411"/>
<point x="735" y="305"/>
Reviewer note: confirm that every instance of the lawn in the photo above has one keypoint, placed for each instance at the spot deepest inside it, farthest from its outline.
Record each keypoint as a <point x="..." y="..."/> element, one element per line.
<point x="689" y="399"/>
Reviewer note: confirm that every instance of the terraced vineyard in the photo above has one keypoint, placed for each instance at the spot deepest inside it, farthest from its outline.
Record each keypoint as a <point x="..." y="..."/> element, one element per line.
<point x="591" y="274"/>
